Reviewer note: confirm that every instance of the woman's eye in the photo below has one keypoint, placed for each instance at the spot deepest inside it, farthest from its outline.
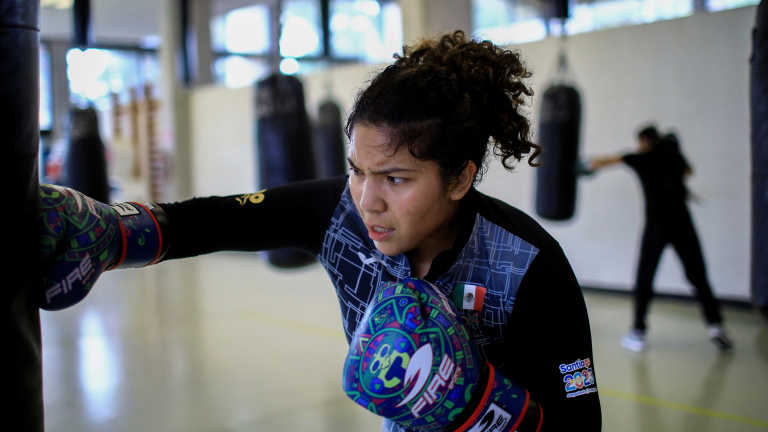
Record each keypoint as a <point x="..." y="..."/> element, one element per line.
<point x="395" y="180"/>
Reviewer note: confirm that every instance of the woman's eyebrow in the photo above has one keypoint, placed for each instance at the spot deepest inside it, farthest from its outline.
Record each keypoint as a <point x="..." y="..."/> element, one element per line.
<point x="390" y="170"/>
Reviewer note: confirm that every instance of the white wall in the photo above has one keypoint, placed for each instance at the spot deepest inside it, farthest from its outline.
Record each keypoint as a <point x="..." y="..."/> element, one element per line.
<point x="222" y="140"/>
<point x="690" y="74"/>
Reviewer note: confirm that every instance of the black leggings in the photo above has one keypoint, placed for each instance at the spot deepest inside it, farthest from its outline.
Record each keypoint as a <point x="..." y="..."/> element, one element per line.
<point x="681" y="233"/>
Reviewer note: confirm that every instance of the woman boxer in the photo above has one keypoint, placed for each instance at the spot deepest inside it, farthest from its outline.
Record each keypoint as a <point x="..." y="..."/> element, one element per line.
<point x="420" y="134"/>
<point x="662" y="170"/>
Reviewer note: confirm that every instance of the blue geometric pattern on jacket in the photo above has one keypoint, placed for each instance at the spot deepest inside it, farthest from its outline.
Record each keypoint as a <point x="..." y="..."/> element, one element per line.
<point x="492" y="257"/>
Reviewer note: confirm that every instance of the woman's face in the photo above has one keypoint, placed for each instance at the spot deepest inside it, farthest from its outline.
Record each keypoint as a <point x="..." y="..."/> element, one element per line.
<point x="643" y="144"/>
<point x="400" y="198"/>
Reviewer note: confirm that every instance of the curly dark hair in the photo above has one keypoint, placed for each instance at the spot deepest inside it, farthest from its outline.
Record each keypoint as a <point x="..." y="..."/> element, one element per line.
<point x="449" y="101"/>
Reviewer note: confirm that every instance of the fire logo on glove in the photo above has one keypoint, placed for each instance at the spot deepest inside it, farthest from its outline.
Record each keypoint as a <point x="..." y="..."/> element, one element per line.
<point x="419" y="369"/>
<point x="407" y="355"/>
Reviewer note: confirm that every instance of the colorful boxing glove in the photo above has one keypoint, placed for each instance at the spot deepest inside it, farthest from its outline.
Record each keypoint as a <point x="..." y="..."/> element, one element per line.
<point x="412" y="362"/>
<point x="81" y="238"/>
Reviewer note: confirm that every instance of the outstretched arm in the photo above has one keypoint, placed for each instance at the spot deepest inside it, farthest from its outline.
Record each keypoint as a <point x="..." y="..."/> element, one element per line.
<point x="598" y="163"/>
<point x="80" y="238"/>
<point x="292" y="216"/>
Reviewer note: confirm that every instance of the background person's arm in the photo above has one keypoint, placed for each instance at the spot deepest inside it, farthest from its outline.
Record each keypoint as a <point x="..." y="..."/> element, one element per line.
<point x="602" y="162"/>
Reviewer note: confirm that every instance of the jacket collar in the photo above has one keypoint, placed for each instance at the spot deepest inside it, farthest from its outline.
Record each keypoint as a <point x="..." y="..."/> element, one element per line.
<point x="467" y="215"/>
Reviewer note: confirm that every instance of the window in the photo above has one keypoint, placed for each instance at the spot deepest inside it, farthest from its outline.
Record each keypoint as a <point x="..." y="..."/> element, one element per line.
<point x="366" y="29"/>
<point x="508" y="22"/>
<point x="46" y="103"/>
<point x="239" y="71"/>
<point x="242" y="31"/>
<point x="598" y="15"/>
<point x="718" y="5"/>
<point x="301" y="33"/>
<point x="517" y="21"/>
<point x="95" y="73"/>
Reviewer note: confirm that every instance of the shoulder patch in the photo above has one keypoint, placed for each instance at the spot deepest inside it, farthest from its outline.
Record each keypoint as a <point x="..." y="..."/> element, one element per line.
<point x="579" y="378"/>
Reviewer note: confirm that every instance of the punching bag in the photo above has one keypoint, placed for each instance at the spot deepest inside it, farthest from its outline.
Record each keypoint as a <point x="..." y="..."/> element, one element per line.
<point x="329" y="142"/>
<point x="284" y="146"/>
<point x="85" y="164"/>
<point x="21" y="360"/>
<point x="560" y="124"/>
<point x="759" y="114"/>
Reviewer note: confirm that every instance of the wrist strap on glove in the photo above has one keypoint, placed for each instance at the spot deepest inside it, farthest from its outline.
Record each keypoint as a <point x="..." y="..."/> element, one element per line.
<point x="141" y="227"/>
<point x="502" y="407"/>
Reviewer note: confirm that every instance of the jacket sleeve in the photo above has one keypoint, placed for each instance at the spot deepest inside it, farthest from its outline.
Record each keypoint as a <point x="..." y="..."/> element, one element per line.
<point x="632" y="159"/>
<point x="550" y="348"/>
<point x="293" y="216"/>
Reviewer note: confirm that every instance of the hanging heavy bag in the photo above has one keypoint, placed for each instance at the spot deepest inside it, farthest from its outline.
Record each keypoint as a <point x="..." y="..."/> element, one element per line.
<point x="559" y="130"/>
<point x="284" y="146"/>
<point x="21" y="359"/>
<point x="329" y="142"/>
<point x="85" y="164"/>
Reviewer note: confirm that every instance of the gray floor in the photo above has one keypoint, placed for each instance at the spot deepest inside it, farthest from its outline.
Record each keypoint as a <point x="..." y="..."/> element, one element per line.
<point x="224" y="343"/>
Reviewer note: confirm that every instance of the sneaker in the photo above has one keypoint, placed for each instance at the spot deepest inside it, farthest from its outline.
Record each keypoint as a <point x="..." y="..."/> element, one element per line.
<point x="719" y="337"/>
<point x="634" y="341"/>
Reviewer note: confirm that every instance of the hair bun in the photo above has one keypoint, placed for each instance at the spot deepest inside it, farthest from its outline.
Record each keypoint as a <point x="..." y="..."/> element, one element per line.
<point x="446" y="99"/>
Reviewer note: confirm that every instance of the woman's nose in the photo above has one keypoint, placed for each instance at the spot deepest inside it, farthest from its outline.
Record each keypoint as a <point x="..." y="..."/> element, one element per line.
<point x="371" y="199"/>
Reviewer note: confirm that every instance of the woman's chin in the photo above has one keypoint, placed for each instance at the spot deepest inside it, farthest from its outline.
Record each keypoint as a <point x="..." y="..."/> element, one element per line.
<point x="388" y="249"/>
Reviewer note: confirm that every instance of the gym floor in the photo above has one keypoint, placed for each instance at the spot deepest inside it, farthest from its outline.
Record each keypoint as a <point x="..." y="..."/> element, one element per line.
<point x="225" y="343"/>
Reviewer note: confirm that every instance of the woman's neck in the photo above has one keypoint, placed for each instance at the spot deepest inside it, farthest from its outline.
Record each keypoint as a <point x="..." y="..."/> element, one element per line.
<point x="422" y="256"/>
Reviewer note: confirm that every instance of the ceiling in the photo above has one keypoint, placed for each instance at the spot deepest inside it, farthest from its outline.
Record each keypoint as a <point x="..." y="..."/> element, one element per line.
<point x="120" y="21"/>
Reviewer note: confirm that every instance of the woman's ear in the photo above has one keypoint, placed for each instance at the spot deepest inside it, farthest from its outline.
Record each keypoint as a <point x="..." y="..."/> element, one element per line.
<point x="461" y="187"/>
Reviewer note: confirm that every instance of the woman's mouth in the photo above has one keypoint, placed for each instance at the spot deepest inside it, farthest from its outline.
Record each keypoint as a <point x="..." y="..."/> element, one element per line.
<point x="379" y="233"/>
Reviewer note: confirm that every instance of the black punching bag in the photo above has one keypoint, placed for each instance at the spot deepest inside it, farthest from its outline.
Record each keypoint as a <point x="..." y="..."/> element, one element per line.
<point x="759" y="112"/>
<point x="85" y="164"/>
<point x="284" y="146"/>
<point x="20" y="361"/>
<point x="329" y="142"/>
<point x="560" y="124"/>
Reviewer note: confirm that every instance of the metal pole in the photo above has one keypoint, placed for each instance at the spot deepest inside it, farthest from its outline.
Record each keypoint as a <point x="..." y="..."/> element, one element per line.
<point x="276" y="30"/>
<point x="186" y="60"/>
<point x="325" y="15"/>
<point x="82" y="30"/>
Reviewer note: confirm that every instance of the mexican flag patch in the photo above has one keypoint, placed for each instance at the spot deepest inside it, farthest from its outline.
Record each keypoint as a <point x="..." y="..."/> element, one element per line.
<point x="466" y="296"/>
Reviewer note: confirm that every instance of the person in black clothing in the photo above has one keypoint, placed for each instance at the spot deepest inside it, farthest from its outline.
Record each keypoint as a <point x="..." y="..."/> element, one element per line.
<point x="420" y="134"/>
<point x="662" y="169"/>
